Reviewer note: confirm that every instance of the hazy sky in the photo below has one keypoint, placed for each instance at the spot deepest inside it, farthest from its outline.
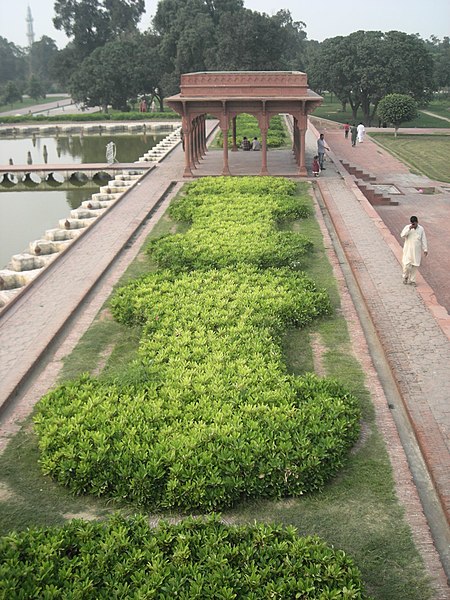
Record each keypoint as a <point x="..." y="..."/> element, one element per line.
<point x="323" y="18"/>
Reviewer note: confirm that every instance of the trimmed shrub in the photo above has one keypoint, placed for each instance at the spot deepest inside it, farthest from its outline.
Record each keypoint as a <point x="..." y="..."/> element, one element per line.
<point x="194" y="559"/>
<point x="247" y="125"/>
<point x="206" y="415"/>
<point x="234" y="222"/>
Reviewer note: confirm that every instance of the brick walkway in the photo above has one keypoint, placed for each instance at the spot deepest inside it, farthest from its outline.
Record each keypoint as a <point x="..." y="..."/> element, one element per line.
<point x="413" y="339"/>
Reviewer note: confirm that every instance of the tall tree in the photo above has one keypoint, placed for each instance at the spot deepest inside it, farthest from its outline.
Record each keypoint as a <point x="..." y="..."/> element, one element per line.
<point x="105" y="77"/>
<point x="365" y="66"/>
<point x="42" y="55"/>
<point x="90" y="24"/>
<point x="441" y="61"/>
<point x="12" y="62"/>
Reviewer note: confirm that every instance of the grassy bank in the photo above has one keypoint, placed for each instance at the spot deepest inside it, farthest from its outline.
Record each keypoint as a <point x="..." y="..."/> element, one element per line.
<point x="332" y="109"/>
<point x="426" y="154"/>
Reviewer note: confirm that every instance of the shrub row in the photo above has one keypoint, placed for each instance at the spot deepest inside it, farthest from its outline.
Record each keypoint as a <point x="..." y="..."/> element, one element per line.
<point x="191" y="560"/>
<point x="79" y="117"/>
<point x="206" y="415"/>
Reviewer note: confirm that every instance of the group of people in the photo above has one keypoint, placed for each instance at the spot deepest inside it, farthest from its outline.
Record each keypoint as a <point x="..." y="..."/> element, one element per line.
<point x="357" y="132"/>
<point x="246" y="144"/>
<point x="318" y="160"/>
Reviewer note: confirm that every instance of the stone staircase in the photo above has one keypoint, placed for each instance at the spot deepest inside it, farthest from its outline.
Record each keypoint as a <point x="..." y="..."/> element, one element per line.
<point x="363" y="181"/>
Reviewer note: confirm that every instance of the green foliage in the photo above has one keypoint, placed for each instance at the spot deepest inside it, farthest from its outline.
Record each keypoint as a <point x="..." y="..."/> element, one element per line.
<point x="396" y="109"/>
<point x="207" y="414"/>
<point x="193" y="559"/>
<point x="230" y="228"/>
<point x="100" y="116"/>
<point x="90" y="24"/>
<point x="247" y="125"/>
<point x="365" y="66"/>
<point x="10" y="93"/>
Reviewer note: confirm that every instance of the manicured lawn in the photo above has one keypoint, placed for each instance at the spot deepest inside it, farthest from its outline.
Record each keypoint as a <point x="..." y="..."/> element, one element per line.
<point x="428" y="154"/>
<point x="440" y="107"/>
<point x="332" y="109"/>
<point x="357" y="512"/>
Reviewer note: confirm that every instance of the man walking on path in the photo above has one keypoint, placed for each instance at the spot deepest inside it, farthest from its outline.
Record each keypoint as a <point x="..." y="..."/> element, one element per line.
<point x="415" y="242"/>
<point x="321" y="147"/>
<point x="361" y="132"/>
<point x="354" y="132"/>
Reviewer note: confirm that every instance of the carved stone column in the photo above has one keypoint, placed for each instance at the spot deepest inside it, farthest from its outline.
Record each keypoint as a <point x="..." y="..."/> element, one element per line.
<point x="234" y="147"/>
<point x="224" y="123"/>
<point x="186" y="128"/>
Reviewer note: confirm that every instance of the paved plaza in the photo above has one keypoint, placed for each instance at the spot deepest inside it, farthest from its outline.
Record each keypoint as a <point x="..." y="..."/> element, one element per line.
<point x="412" y="324"/>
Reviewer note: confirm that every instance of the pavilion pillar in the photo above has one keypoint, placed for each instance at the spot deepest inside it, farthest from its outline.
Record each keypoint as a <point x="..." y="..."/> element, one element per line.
<point x="224" y="128"/>
<point x="186" y="128"/>
<point x="303" y="124"/>
<point x="264" y="170"/>
<point x="234" y="147"/>
<point x="296" y="145"/>
<point x="202" y="136"/>
<point x="195" y="154"/>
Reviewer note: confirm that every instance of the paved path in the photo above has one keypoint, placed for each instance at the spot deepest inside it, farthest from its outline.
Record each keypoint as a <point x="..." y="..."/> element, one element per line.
<point x="413" y="339"/>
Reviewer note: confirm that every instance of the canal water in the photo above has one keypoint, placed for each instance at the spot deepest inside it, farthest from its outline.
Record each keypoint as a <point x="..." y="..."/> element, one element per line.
<point x="26" y="214"/>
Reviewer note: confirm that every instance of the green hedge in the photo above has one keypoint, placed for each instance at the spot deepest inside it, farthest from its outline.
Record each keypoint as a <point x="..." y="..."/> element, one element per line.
<point x="88" y="117"/>
<point x="191" y="560"/>
<point x="234" y="222"/>
<point x="247" y="125"/>
<point x="206" y="415"/>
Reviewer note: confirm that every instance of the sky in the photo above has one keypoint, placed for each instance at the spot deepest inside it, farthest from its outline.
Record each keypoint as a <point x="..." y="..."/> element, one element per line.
<point x="323" y="18"/>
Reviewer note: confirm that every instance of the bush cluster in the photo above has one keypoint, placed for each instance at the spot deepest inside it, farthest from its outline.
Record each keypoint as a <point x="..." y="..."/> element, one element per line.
<point x="206" y="414"/>
<point x="234" y="223"/>
<point x="194" y="559"/>
<point x="247" y="125"/>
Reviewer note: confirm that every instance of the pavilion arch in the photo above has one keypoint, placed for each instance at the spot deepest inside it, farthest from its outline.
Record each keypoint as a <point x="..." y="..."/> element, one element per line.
<point x="225" y="94"/>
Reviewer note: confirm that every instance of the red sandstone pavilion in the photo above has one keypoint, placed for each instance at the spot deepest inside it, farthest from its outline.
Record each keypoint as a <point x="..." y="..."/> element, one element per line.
<point x="225" y="94"/>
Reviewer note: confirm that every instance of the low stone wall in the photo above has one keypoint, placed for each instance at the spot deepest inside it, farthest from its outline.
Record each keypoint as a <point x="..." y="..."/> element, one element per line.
<point x="82" y="127"/>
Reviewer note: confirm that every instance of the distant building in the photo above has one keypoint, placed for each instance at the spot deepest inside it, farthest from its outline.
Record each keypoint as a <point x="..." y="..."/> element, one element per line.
<point x="30" y="30"/>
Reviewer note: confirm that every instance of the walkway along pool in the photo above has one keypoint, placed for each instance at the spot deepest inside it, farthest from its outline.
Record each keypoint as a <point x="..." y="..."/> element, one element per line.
<point x="26" y="212"/>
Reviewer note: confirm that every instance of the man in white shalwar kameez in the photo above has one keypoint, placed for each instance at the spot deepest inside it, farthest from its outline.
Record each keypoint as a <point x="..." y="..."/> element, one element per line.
<point x="361" y="132"/>
<point x="415" y="242"/>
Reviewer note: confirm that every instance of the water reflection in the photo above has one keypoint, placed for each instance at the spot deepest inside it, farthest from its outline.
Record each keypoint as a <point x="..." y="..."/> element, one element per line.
<point x="25" y="216"/>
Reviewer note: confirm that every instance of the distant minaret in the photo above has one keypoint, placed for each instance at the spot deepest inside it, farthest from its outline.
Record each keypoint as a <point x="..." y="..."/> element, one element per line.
<point x="30" y="31"/>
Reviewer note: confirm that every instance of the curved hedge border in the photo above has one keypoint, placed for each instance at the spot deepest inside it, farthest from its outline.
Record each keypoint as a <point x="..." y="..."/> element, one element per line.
<point x="206" y="415"/>
<point x="191" y="560"/>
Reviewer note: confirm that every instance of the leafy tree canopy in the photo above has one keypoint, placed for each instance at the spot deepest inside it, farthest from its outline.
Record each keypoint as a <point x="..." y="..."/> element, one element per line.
<point x="12" y="61"/>
<point x="105" y="77"/>
<point x="92" y="23"/>
<point x="363" y="67"/>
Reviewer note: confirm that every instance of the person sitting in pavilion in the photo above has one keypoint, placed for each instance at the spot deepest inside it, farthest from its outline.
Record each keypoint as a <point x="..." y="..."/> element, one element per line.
<point x="245" y="144"/>
<point x="256" y="144"/>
